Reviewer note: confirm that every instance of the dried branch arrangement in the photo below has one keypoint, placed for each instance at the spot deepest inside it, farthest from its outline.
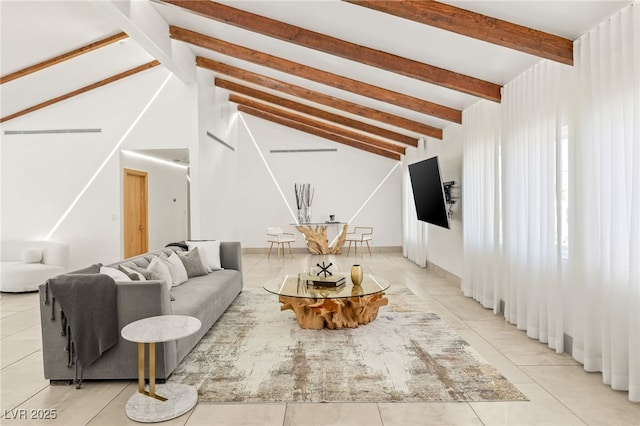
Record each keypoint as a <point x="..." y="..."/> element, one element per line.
<point x="304" y="194"/>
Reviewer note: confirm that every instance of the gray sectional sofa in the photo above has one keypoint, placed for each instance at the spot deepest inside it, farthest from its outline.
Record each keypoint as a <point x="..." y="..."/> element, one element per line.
<point x="205" y="297"/>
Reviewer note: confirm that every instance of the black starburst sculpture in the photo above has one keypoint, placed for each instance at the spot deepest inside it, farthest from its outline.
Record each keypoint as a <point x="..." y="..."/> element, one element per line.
<point x="324" y="269"/>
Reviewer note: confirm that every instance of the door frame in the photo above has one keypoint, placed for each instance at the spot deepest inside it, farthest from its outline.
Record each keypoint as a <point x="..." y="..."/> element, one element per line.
<point x="145" y="207"/>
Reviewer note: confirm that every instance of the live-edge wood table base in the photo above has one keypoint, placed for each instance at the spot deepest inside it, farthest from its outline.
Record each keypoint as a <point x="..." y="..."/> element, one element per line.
<point x="334" y="313"/>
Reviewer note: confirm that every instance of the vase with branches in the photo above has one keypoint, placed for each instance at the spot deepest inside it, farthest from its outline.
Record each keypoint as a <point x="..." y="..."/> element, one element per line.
<point x="304" y="197"/>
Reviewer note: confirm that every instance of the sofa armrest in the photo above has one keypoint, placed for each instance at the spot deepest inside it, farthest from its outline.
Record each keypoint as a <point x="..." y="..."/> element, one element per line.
<point x="135" y="300"/>
<point x="231" y="255"/>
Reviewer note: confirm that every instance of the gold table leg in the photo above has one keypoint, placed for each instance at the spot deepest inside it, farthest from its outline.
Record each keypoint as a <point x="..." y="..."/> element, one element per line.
<point x="152" y="371"/>
<point x="141" y="367"/>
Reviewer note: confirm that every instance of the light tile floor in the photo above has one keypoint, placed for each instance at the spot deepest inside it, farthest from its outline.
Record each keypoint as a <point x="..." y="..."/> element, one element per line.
<point x="560" y="392"/>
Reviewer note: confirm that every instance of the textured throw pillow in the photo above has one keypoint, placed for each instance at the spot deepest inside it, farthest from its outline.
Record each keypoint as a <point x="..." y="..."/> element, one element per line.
<point x="176" y="268"/>
<point x="32" y="255"/>
<point x="146" y="273"/>
<point x="193" y="263"/>
<point x="209" y="251"/>
<point x="114" y="273"/>
<point x="158" y="267"/>
<point x="135" y="276"/>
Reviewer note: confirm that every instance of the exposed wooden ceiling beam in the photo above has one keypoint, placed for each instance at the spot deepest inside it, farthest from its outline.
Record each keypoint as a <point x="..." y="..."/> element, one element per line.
<point x="81" y="90"/>
<point x="478" y="26"/>
<point x="316" y="75"/>
<point x="316" y="112"/>
<point x="290" y="115"/>
<point x="344" y="49"/>
<point x="61" y="58"/>
<point x="318" y="132"/>
<point x="320" y="98"/>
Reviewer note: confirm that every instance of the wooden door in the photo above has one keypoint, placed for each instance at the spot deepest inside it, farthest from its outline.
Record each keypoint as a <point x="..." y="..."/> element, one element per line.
<point x="135" y="213"/>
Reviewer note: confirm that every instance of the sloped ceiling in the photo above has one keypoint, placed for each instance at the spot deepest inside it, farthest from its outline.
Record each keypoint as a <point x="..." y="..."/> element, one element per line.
<point x="37" y="31"/>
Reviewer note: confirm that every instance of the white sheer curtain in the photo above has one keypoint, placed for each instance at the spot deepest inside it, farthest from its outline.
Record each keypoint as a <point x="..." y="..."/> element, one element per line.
<point x="605" y="252"/>
<point x="480" y="192"/>
<point x="531" y="256"/>
<point x="414" y="232"/>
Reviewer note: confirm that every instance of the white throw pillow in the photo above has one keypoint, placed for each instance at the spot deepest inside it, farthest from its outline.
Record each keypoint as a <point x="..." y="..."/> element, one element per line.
<point x="160" y="269"/>
<point x="176" y="268"/>
<point x="210" y="250"/>
<point x="32" y="255"/>
<point x="114" y="273"/>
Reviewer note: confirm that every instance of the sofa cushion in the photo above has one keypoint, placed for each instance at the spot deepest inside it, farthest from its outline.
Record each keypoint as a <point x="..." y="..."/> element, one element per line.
<point x="193" y="263"/>
<point x="114" y="273"/>
<point x="205" y="293"/>
<point x="209" y="250"/>
<point x="176" y="268"/>
<point x="158" y="267"/>
<point x="32" y="255"/>
<point x="146" y="273"/>
<point x="133" y="275"/>
<point x="20" y="276"/>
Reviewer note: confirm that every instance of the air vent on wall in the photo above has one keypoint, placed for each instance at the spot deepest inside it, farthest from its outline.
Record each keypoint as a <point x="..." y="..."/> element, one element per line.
<point x="52" y="131"/>
<point x="283" y="151"/>
<point x="220" y="141"/>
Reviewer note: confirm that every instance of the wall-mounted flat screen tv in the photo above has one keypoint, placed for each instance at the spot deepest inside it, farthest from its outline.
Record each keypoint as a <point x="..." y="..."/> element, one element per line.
<point x="428" y="192"/>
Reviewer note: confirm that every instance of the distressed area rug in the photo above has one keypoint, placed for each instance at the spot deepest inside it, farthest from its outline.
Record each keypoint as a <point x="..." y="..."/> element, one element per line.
<point x="255" y="353"/>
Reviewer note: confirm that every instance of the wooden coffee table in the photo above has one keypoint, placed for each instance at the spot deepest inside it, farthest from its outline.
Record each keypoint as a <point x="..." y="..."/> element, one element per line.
<point x="317" y="308"/>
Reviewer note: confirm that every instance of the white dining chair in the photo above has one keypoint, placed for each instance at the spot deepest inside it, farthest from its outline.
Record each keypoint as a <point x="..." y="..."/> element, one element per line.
<point x="276" y="235"/>
<point x="360" y="235"/>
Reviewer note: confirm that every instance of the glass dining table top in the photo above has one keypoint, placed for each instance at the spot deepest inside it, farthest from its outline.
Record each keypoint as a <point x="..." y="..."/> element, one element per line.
<point x="300" y="285"/>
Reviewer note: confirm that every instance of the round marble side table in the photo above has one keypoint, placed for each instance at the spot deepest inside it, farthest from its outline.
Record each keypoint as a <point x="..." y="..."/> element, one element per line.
<point x="172" y="399"/>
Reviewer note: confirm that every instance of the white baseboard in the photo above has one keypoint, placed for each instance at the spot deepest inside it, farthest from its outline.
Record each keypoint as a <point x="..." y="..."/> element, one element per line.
<point x="441" y="272"/>
<point x="374" y="249"/>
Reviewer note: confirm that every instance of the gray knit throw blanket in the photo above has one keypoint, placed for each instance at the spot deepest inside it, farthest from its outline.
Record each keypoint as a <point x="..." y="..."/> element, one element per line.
<point x="89" y="316"/>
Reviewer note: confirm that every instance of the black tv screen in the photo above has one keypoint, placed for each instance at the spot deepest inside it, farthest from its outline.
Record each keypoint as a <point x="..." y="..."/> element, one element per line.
<point x="428" y="192"/>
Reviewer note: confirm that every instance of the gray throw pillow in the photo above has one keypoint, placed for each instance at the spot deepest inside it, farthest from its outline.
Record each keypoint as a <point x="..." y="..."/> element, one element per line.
<point x="192" y="263"/>
<point x="150" y="275"/>
<point x="147" y="274"/>
<point x="133" y="277"/>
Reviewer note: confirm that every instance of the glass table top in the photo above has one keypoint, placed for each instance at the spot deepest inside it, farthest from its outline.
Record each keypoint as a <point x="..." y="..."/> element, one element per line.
<point x="296" y="285"/>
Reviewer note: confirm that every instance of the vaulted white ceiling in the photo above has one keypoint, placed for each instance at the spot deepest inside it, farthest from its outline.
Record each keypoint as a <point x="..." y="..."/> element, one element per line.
<point x="35" y="31"/>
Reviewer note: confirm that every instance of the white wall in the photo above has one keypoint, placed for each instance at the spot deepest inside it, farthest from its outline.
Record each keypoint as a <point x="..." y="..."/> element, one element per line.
<point x="233" y="196"/>
<point x="238" y="195"/>
<point x="42" y="174"/>
<point x="343" y="181"/>
<point x="214" y="171"/>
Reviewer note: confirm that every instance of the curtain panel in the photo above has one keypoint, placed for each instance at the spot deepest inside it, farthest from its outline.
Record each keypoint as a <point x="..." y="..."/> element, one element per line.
<point x="480" y="192"/>
<point x="532" y="111"/>
<point x="414" y="232"/>
<point x="605" y="248"/>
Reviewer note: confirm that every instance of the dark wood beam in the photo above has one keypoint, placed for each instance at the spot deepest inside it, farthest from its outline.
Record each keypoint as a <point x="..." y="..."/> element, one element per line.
<point x="316" y="112"/>
<point x="320" y="98"/>
<point x="61" y="58"/>
<point x="81" y="90"/>
<point x="344" y="49"/>
<point x="290" y="115"/>
<point x="478" y="26"/>
<point x="318" y="132"/>
<point x="316" y="75"/>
